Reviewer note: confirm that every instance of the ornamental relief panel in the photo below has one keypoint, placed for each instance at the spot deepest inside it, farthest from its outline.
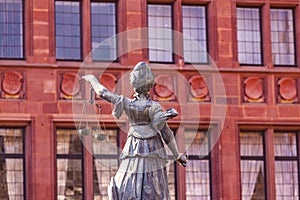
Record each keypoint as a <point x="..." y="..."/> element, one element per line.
<point x="287" y="90"/>
<point x="70" y="87"/>
<point x="253" y="90"/>
<point x="12" y="85"/>
<point x="198" y="89"/>
<point x="163" y="89"/>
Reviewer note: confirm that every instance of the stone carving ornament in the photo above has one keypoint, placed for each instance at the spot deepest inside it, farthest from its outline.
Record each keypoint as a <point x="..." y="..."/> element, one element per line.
<point x="198" y="88"/>
<point x="253" y="89"/>
<point x="287" y="89"/>
<point x="163" y="88"/>
<point x="70" y="85"/>
<point x="12" y="84"/>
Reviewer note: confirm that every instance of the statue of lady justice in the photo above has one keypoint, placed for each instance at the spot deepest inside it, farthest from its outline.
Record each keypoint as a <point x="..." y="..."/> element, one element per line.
<point x="142" y="171"/>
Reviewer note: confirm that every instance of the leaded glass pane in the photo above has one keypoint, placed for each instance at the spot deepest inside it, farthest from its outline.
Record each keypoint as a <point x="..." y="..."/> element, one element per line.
<point x="11" y="29"/>
<point x="103" y="25"/>
<point x="160" y="33"/>
<point x="282" y="36"/>
<point x="11" y="164"/>
<point x="198" y="167"/>
<point x="249" y="36"/>
<point x="251" y="144"/>
<point x="68" y="30"/>
<point x="252" y="179"/>
<point x="69" y="165"/>
<point x="194" y="34"/>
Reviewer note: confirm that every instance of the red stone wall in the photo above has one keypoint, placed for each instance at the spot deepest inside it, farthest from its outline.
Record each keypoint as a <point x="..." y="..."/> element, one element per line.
<point x="252" y="93"/>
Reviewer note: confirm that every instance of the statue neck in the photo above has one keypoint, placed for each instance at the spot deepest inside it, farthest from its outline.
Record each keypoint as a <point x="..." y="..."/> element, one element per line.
<point x="141" y="96"/>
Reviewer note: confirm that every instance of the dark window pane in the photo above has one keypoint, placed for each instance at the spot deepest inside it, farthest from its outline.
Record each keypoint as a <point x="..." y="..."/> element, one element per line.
<point x="282" y="36"/>
<point x="251" y="144"/>
<point x="69" y="179"/>
<point x="103" y="17"/>
<point x="252" y="165"/>
<point x="11" y="163"/>
<point x="286" y="165"/>
<point x="106" y="153"/>
<point x="69" y="164"/>
<point x="252" y="179"/>
<point x="160" y="29"/>
<point x="68" y="142"/>
<point x="286" y="179"/>
<point x="194" y="33"/>
<point x="285" y="144"/>
<point x="11" y="24"/>
<point x="248" y="32"/>
<point x="67" y="26"/>
<point x="198" y="168"/>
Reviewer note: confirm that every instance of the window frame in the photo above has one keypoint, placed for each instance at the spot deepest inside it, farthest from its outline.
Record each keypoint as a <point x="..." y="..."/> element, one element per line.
<point x="294" y="34"/>
<point x="289" y="158"/>
<point x="23" y="35"/>
<point x="205" y="158"/>
<point x="208" y="60"/>
<point x="80" y="157"/>
<point x="172" y="29"/>
<point x="80" y="31"/>
<point x="117" y="59"/>
<point x="23" y="156"/>
<point x="262" y="59"/>
<point x="254" y="158"/>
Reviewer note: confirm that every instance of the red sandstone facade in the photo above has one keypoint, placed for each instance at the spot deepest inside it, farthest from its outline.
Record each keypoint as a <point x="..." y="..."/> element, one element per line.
<point x="35" y="93"/>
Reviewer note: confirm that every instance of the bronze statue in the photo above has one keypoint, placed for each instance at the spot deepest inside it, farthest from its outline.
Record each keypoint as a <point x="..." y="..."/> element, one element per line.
<point x="142" y="171"/>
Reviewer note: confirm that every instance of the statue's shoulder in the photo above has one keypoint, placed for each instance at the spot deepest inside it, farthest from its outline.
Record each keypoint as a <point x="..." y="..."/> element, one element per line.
<point x="155" y="105"/>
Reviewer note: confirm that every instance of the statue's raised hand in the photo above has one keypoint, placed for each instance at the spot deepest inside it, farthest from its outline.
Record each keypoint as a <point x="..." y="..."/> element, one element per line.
<point x="90" y="78"/>
<point x="98" y="88"/>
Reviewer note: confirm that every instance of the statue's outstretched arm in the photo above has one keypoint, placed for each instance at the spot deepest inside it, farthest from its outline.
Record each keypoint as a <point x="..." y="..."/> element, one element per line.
<point x="100" y="89"/>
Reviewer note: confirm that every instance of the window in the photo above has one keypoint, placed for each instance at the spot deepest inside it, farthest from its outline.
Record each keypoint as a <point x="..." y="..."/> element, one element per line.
<point x="282" y="36"/>
<point x="103" y="25"/>
<point x="12" y="164"/>
<point x="160" y="33"/>
<point x="198" y="168"/>
<point x="11" y="29"/>
<point x="252" y="165"/>
<point x="105" y="164"/>
<point x="249" y="36"/>
<point x="286" y="165"/>
<point x="194" y="34"/>
<point x="69" y="164"/>
<point x="68" y="30"/>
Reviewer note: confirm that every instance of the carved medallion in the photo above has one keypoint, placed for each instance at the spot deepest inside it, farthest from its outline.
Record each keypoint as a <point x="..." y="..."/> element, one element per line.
<point x="253" y="89"/>
<point x="163" y="88"/>
<point x="70" y="85"/>
<point x="287" y="90"/>
<point x="12" y="84"/>
<point x="198" y="88"/>
<point x="109" y="81"/>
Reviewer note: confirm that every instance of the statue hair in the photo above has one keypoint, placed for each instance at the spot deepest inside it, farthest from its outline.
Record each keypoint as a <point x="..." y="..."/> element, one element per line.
<point x="141" y="78"/>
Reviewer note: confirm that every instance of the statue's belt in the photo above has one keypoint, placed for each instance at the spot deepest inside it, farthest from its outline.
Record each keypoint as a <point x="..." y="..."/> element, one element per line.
<point x="142" y="130"/>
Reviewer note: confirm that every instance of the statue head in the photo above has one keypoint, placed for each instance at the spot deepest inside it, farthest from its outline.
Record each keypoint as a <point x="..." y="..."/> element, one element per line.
<point x="141" y="78"/>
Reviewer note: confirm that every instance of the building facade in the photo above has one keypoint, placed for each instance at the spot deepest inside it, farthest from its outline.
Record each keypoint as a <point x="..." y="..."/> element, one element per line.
<point x="46" y="46"/>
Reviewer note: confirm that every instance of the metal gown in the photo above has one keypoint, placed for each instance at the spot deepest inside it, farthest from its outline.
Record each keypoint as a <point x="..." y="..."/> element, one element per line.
<point x="142" y="173"/>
